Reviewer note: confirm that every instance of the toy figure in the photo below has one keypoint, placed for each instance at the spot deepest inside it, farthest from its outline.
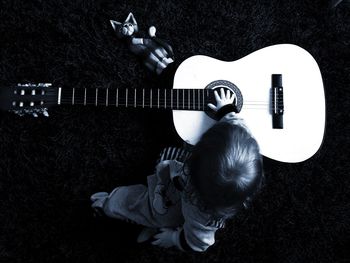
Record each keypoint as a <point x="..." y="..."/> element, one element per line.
<point x="155" y="53"/>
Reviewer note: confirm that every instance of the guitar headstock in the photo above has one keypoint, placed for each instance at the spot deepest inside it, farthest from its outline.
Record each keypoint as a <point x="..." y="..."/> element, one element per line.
<point x="29" y="98"/>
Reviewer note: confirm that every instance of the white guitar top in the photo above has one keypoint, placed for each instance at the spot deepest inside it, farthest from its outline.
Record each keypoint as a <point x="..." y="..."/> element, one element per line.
<point x="303" y="95"/>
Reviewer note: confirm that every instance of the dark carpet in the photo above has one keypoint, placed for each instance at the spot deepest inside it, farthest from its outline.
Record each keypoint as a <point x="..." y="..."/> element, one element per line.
<point x="50" y="166"/>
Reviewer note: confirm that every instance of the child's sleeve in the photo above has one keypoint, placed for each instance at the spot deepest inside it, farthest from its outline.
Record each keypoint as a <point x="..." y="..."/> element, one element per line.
<point x="196" y="235"/>
<point x="173" y="153"/>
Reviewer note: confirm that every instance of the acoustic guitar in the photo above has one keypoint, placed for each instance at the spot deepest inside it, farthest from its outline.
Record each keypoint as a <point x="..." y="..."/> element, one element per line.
<point x="279" y="93"/>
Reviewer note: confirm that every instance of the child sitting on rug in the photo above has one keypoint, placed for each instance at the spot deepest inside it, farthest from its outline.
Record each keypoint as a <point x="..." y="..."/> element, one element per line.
<point x="187" y="201"/>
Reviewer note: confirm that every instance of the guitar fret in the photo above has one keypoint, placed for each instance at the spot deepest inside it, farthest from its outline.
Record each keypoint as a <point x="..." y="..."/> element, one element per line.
<point x="106" y="97"/>
<point x="150" y="98"/>
<point x="73" y="96"/>
<point x="165" y="98"/>
<point x="116" y="98"/>
<point x="171" y="100"/>
<point x="158" y="98"/>
<point x="177" y="101"/>
<point x="189" y="97"/>
<point x="194" y="99"/>
<point x="135" y="98"/>
<point x="59" y="95"/>
<point x="126" y="97"/>
<point x="143" y="98"/>
<point x="96" y="96"/>
<point x="84" y="96"/>
<point x="199" y="98"/>
<point x="203" y="98"/>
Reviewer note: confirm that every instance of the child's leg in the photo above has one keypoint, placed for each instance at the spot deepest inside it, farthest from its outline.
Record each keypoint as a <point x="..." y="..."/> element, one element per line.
<point x="112" y="205"/>
<point x="135" y="203"/>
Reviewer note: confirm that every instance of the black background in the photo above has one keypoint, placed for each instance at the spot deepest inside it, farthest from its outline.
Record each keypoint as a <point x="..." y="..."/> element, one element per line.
<point x="50" y="166"/>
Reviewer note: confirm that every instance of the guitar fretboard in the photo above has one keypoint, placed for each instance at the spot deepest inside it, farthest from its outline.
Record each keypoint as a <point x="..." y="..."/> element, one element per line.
<point x="177" y="99"/>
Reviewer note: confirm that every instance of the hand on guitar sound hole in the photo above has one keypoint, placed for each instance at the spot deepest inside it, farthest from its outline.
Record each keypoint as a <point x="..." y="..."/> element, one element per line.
<point x="222" y="99"/>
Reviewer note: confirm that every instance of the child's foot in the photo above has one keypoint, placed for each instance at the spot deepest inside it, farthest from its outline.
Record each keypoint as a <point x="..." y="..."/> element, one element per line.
<point x="97" y="200"/>
<point x="98" y="195"/>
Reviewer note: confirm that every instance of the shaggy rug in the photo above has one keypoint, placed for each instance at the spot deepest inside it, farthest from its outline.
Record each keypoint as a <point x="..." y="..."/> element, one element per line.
<point x="50" y="166"/>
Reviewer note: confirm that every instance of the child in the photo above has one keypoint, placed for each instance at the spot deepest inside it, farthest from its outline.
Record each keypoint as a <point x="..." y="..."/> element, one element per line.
<point x="187" y="201"/>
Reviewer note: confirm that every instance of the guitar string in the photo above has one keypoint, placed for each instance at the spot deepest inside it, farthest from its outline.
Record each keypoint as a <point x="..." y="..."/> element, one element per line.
<point x="162" y="107"/>
<point x="167" y="101"/>
<point x="199" y="107"/>
<point x="161" y="102"/>
<point x="161" y="98"/>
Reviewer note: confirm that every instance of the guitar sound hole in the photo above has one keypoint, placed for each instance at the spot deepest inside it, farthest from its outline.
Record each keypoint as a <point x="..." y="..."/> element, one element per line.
<point x="226" y="85"/>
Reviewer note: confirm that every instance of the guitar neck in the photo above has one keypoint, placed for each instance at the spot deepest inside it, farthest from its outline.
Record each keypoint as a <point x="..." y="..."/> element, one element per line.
<point x="176" y="99"/>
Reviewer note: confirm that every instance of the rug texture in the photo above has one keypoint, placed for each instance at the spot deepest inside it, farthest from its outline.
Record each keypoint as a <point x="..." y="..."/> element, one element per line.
<point x="50" y="166"/>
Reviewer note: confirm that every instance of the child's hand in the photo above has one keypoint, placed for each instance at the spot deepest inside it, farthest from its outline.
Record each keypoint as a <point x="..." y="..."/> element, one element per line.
<point x="166" y="238"/>
<point x="222" y="100"/>
<point x="174" y="167"/>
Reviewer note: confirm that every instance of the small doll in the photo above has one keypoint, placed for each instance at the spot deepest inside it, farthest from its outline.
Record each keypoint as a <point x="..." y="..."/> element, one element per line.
<point x="155" y="53"/>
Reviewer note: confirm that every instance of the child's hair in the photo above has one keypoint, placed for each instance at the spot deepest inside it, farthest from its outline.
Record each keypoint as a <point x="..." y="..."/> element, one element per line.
<point x="224" y="170"/>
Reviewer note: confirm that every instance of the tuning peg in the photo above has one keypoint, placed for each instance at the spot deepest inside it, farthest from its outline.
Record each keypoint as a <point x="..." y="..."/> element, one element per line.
<point x="45" y="113"/>
<point x="18" y="112"/>
<point x="35" y="115"/>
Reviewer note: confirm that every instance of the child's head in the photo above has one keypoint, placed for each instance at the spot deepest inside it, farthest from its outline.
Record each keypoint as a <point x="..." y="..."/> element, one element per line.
<point x="225" y="169"/>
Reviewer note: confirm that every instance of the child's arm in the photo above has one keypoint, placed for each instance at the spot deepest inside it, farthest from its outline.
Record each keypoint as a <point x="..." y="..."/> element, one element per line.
<point x="171" y="169"/>
<point x="193" y="236"/>
<point x="196" y="234"/>
<point x="225" y="108"/>
<point x="176" y="174"/>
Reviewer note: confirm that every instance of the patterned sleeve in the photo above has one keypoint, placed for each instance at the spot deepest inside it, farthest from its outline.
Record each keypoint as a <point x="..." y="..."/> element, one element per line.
<point x="173" y="153"/>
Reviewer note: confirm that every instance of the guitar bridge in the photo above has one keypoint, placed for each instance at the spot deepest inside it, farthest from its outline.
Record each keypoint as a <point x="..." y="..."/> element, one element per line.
<point x="277" y="101"/>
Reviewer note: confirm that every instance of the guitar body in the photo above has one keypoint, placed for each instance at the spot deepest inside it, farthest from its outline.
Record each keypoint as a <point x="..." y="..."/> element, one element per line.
<point x="303" y="95"/>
